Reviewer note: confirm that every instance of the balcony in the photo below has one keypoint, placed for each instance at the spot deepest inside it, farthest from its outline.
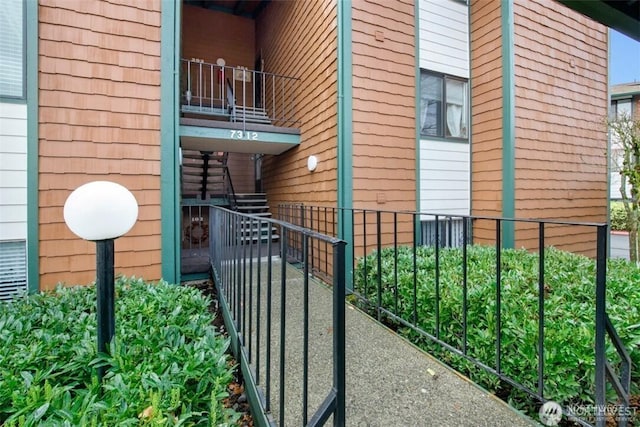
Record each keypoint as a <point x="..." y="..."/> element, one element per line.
<point x="234" y="109"/>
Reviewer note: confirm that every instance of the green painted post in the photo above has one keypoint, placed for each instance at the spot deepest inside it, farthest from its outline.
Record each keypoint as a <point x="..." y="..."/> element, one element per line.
<point x="345" y="135"/>
<point x="508" y="125"/>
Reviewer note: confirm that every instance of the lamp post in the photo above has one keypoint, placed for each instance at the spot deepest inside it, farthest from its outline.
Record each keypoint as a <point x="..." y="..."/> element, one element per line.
<point x="102" y="211"/>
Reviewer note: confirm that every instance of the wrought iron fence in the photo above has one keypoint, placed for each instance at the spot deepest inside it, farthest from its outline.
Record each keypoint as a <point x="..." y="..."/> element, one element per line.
<point x="237" y="94"/>
<point x="383" y="240"/>
<point x="266" y="306"/>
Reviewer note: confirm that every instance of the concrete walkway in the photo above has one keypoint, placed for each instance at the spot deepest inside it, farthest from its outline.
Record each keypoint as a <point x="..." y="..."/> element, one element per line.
<point x="390" y="382"/>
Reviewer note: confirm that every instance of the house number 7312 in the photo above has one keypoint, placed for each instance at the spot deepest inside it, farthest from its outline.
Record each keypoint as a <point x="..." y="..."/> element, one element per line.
<point x="238" y="134"/>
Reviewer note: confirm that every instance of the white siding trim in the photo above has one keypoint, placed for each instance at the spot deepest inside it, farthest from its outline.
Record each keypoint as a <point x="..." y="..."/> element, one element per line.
<point x="13" y="171"/>
<point x="444" y="177"/>
<point x="444" y="37"/>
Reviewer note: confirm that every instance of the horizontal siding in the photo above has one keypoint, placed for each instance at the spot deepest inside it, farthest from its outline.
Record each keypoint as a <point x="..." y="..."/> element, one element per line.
<point x="241" y="169"/>
<point x="444" y="37"/>
<point x="384" y="144"/>
<point x="13" y="171"/>
<point x="561" y="100"/>
<point x="99" y="119"/>
<point x="209" y="35"/>
<point x="299" y="39"/>
<point x="444" y="177"/>
<point x="486" y="115"/>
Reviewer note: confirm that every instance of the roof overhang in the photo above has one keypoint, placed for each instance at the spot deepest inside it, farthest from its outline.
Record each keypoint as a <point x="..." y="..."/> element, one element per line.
<point x="620" y="15"/>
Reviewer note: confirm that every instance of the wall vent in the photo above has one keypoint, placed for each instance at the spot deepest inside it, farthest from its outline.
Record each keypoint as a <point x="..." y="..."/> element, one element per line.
<point x="13" y="269"/>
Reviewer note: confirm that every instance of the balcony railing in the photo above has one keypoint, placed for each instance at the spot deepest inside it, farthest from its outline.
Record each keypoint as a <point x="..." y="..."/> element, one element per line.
<point x="237" y="94"/>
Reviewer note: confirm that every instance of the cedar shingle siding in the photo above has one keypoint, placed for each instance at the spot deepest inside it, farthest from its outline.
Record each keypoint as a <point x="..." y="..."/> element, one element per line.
<point x="99" y="119"/>
<point x="561" y="104"/>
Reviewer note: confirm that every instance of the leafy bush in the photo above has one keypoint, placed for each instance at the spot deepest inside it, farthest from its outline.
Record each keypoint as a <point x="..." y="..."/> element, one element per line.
<point x="167" y="364"/>
<point x="618" y="217"/>
<point x="569" y="306"/>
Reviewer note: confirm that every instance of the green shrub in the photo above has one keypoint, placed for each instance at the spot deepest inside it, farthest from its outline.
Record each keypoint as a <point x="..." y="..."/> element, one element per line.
<point x="167" y="364"/>
<point x="618" y="217"/>
<point x="569" y="306"/>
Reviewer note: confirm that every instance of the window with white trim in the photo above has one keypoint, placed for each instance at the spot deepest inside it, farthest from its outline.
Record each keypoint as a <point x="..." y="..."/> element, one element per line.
<point x="444" y="106"/>
<point x="12" y="42"/>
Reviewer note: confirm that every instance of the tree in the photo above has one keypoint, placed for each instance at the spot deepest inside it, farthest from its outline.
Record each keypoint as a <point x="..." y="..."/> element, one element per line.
<point x="625" y="139"/>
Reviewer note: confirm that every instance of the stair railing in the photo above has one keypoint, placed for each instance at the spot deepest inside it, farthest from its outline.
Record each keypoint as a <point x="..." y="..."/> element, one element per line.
<point x="231" y="193"/>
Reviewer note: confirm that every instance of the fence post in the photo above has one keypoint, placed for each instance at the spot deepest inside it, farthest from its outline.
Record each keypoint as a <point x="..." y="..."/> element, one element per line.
<point x="339" y="342"/>
<point x="601" y="313"/>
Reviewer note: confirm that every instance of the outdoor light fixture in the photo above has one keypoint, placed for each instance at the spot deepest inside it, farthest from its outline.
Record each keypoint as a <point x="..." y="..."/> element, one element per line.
<point x="102" y="211"/>
<point x="312" y="163"/>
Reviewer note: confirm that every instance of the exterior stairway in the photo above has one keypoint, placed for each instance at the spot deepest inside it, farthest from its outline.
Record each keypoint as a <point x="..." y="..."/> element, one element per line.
<point x="255" y="204"/>
<point x="204" y="175"/>
<point x="250" y="115"/>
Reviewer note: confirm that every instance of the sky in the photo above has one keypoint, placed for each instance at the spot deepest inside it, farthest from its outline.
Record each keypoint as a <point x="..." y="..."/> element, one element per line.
<point x="624" y="59"/>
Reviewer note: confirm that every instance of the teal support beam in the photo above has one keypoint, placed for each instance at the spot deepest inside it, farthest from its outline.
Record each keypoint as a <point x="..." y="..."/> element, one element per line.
<point x="345" y="135"/>
<point x="33" y="233"/>
<point x="508" y="124"/>
<point x="416" y="34"/>
<point x="169" y="143"/>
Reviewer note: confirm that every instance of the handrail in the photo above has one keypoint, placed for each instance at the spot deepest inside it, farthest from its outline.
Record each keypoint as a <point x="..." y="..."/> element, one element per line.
<point x="262" y="97"/>
<point x="604" y="328"/>
<point x="230" y="190"/>
<point x="373" y="229"/>
<point x="257" y="302"/>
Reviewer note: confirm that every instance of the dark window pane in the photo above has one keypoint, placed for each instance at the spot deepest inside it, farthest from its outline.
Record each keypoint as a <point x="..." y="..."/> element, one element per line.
<point x="430" y="105"/>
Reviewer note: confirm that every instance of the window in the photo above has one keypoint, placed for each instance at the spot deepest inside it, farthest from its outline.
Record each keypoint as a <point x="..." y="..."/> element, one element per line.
<point x="621" y="108"/>
<point x="12" y="49"/>
<point x="444" y="106"/>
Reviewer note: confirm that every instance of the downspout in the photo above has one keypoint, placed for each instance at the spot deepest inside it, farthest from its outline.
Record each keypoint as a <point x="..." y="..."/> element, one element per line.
<point x="345" y="136"/>
<point x="508" y="124"/>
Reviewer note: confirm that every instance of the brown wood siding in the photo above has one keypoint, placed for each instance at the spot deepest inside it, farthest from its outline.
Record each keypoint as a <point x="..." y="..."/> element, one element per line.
<point x="384" y="115"/>
<point x="384" y="119"/>
<point x="241" y="170"/>
<point x="209" y="35"/>
<point x="486" y="113"/>
<point x="299" y="39"/>
<point x="99" y="119"/>
<point x="561" y="103"/>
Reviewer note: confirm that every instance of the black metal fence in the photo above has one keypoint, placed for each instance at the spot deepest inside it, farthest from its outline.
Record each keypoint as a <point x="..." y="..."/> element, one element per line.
<point x="385" y="242"/>
<point x="267" y="308"/>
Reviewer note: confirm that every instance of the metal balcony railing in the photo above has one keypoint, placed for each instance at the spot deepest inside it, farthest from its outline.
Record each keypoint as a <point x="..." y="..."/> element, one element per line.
<point x="237" y="94"/>
<point x="379" y="287"/>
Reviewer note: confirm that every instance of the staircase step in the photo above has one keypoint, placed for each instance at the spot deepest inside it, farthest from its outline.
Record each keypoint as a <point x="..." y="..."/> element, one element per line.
<point x="243" y="208"/>
<point x="253" y="201"/>
<point x="260" y="214"/>
<point x="263" y="239"/>
<point x="251" y="195"/>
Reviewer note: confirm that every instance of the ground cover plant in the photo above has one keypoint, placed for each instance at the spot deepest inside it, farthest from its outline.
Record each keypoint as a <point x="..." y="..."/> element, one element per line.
<point x="167" y="365"/>
<point x="569" y="304"/>
<point x="618" y="217"/>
